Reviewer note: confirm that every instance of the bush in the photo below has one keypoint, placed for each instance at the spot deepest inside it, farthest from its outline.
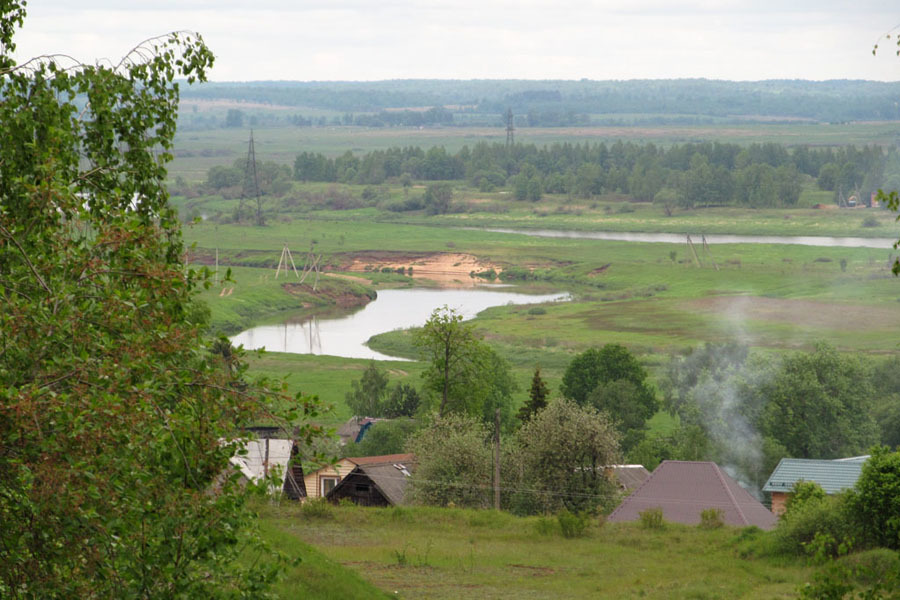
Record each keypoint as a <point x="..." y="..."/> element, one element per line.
<point x="870" y="221"/>
<point x="652" y="518"/>
<point x="823" y="529"/>
<point x="712" y="518"/>
<point x="546" y="526"/>
<point x="874" y="574"/>
<point x="803" y="493"/>
<point x="537" y="310"/>
<point x="317" y="508"/>
<point x="572" y="525"/>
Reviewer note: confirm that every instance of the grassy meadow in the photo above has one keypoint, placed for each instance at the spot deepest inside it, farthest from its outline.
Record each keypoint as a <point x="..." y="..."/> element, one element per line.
<point x="775" y="297"/>
<point x="422" y="552"/>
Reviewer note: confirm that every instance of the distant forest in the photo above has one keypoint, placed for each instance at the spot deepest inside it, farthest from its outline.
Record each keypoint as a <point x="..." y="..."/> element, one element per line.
<point x="683" y="175"/>
<point x="564" y="103"/>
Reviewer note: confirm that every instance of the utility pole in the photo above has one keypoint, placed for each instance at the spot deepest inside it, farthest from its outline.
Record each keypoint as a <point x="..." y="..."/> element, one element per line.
<point x="497" y="459"/>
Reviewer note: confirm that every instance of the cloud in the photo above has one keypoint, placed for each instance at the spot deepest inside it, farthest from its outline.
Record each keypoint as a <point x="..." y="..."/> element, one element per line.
<point x="535" y="39"/>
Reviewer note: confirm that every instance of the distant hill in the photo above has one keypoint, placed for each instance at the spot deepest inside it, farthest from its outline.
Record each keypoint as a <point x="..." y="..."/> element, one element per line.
<point x="552" y="102"/>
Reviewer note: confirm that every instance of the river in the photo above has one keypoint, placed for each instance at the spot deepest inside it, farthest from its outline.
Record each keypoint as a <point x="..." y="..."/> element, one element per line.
<point x="392" y="309"/>
<point x="712" y="238"/>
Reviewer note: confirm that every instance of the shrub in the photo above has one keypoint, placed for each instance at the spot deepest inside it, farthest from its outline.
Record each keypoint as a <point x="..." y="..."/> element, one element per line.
<point x="546" y="526"/>
<point x="537" y="310"/>
<point x="820" y="529"/>
<point x="712" y="518"/>
<point x="652" y="518"/>
<point x="317" y="508"/>
<point x="870" y="221"/>
<point x="803" y="493"/>
<point x="571" y="524"/>
<point x="873" y="574"/>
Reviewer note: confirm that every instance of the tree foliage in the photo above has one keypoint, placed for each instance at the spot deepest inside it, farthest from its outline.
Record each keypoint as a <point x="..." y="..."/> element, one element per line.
<point x="371" y="396"/>
<point x="384" y="437"/>
<point x="537" y="397"/>
<point x="755" y="410"/>
<point x="367" y="394"/>
<point x="556" y="460"/>
<point x="818" y="405"/>
<point x="611" y="379"/>
<point x="454" y="462"/>
<point x="601" y="365"/>
<point x="877" y="499"/>
<point x="116" y="424"/>
<point x="564" y="451"/>
<point x="465" y="374"/>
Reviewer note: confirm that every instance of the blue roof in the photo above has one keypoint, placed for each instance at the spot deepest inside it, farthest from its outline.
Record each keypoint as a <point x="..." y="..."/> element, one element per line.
<point x="833" y="475"/>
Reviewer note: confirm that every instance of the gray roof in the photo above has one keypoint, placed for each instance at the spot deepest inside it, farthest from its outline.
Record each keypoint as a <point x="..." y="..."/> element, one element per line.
<point x="630" y="476"/>
<point x="833" y="475"/>
<point x="682" y="489"/>
<point x="389" y="478"/>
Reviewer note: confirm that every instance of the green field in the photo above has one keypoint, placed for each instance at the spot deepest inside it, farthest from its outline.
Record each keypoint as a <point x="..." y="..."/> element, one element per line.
<point x="454" y="553"/>
<point x="197" y="151"/>
<point x="776" y="297"/>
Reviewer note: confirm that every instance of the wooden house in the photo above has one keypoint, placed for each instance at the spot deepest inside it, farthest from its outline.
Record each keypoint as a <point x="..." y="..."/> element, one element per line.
<point x="375" y="484"/>
<point x="320" y="482"/>
<point x="271" y="457"/>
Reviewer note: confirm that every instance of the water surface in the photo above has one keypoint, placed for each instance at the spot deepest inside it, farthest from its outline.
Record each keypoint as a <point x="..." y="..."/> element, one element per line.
<point x="711" y="238"/>
<point x="393" y="309"/>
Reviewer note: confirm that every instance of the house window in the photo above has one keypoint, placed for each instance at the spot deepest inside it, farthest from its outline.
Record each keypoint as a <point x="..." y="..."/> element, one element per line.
<point x="326" y="485"/>
<point x="362" y="488"/>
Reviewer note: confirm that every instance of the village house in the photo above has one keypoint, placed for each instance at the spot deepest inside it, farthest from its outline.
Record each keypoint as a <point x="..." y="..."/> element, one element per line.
<point x="833" y="476"/>
<point x="375" y="484"/>
<point x="320" y="482"/>
<point x="270" y="457"/>
<point x="684" y="489"/>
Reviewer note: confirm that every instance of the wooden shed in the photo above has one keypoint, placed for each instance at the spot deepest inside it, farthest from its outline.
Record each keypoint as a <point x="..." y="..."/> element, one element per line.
<point x="374" y="484"/>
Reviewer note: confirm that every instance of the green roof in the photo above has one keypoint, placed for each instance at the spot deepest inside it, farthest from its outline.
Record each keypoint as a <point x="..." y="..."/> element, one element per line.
<point x="833" y="475"/>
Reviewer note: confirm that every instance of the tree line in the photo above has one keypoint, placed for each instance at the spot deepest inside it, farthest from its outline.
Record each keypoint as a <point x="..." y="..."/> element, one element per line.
<point x="485" y="100"/>
<point x="685" y="175"/>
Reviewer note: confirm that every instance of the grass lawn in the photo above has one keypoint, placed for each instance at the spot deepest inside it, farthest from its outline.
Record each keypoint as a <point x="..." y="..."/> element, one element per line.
<point x="436" y="553"/>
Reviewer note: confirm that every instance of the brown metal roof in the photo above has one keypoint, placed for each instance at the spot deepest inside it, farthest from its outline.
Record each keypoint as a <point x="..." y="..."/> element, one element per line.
<point x="682" y="489"/>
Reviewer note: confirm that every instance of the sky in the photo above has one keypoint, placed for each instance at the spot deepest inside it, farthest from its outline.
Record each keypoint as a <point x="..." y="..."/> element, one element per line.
<point x="364" y="40"/>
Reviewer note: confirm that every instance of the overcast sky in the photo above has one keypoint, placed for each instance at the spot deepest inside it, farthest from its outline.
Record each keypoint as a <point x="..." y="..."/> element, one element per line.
<point x="463" y="39"/>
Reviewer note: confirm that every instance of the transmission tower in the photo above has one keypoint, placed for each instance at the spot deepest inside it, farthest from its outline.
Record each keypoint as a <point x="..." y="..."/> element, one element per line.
<point x="509" y="127"/>
<point x="253" y="183"/>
